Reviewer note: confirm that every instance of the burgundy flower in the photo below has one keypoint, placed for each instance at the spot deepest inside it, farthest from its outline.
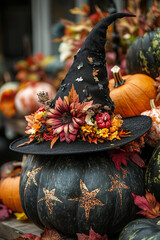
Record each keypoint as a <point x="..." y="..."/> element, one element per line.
<point x="103" y="120"/>
<point x="67" y="116"/>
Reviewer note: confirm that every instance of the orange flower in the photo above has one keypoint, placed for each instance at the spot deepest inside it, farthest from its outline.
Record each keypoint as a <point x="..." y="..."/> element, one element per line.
<point x="114" y="135"/>
<point x="113" y="129"/>
<point x="116" y="121"/>
<point x="36" y="124"/>
<point x="89" y="133"/>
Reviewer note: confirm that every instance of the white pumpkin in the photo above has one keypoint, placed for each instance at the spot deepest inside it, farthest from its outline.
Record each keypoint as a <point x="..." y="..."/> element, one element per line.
<point x="153" y="135"/>
<point x="26" y="100"/>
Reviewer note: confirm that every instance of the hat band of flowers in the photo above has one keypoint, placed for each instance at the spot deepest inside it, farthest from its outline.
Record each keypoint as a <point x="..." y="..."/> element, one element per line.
<point x="71" y="120"/>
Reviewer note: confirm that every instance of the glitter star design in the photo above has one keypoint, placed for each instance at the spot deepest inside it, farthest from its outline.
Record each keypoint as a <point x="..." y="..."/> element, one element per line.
<point x="89" y="200"/>
<point x="49" y="197"/>
<point x="31" y="176"/>
<point x="117" y="184"/>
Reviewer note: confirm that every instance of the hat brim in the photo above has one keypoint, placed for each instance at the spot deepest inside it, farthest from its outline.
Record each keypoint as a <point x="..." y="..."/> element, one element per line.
<point x="137" y="126"/>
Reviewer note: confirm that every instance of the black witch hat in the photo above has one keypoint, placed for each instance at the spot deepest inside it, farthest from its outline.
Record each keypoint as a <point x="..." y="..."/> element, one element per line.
<point x="84" y="92"/>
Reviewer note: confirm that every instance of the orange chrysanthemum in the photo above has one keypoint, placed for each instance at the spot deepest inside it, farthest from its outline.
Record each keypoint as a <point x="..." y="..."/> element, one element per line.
<point x="89" y="133"/>
<point x="92" y="133"/>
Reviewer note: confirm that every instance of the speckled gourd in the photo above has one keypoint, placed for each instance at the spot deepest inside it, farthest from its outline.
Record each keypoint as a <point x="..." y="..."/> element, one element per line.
<point x="142" y="229"/>
<point x="143" y="55"/>
<point x="152" y="177"/>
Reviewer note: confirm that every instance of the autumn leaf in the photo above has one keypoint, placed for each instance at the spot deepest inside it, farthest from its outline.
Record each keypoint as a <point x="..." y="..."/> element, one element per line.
<point x="73" y="96"/>
<point x="150" y="207"/>
<point x="76" y="10"/>
<point x="20" y="216"/>
<point x="4" y="212"/>
<point x="137" y="159"/>
<point x="45" y="235"/>
<point x="50" y="234"/>
<point x="120" y="157"/>
<point x="28" y="236"/>
<point x="92" y="236"/>
<point x="54" y="140"/>
<point x="31" y="140"/>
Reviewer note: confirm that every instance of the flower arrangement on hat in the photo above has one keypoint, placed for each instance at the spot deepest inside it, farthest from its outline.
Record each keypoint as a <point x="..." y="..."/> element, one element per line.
<point x="71" y="120"/>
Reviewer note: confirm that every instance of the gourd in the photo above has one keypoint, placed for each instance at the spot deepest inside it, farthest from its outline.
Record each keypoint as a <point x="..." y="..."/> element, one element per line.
<point x="153" y="135"/>
<point x="131" y="93"/>
<point x="152" y="176"/>
<point x="7" y="96"/>
<point x="139" y="229"/>
<point x="9" y="191"/>
<point x="75" y="192"/>
<point x="143" y="55"/>
<point x="26" y="100"/>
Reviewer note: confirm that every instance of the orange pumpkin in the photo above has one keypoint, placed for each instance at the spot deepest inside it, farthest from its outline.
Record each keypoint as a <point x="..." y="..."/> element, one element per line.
<point x="131" y="93"/>
<point x="9" y="191"/>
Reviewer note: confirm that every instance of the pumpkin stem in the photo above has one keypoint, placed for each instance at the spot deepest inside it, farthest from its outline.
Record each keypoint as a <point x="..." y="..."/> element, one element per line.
<point x="152" y="104"/>
<point x="119" y="81"/>
<point x="17" y="164"/>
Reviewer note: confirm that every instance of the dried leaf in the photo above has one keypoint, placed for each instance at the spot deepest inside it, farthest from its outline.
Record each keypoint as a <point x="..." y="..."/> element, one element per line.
<point x="92" y="236"/>
<point x="4" y="212"/>
<point x="121" y="157"/>
<point x="118" y="158"/>
<point x="50" y="234"/>
<point x="95" y="73"/>
<point x="46" y="235"/>
<point x="31" y="140"/>
<point x="137" y="159"/>
<point x="150" y="207"/>
<point x="21" y="216"/>
<point x="90" y="59"/>
<point x="54" y="140"/>
<point x="73" y="96"/>
<point x="80" y="79"/>
<point x="76" y="10"/>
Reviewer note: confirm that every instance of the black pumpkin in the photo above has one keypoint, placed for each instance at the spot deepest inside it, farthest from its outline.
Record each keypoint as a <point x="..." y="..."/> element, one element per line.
<point x="141" y="229"/>
<point x="152" y="176"/>
<point x="143" y="56"/>
<point x="75" y="192"/>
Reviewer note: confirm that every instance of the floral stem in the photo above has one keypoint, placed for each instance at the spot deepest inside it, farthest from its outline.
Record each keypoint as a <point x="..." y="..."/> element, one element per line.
<point x="119" y="81"/>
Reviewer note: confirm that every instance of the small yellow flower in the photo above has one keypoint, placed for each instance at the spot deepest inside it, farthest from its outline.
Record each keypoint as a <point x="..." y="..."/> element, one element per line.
<point x="114" y="135"/>
<point x="88" y="128"/>
<point x="104" y="132"/>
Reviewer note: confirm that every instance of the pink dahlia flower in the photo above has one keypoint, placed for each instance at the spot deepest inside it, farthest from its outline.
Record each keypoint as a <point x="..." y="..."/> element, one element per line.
<point x="67" y="116"/>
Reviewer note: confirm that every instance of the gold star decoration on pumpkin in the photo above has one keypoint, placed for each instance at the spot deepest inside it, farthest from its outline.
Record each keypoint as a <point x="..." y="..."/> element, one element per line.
<point x="89" y="200"/>
<point x="31" y="176"/>
<point x="49" y="197"/>
<point x="117" y="184"/>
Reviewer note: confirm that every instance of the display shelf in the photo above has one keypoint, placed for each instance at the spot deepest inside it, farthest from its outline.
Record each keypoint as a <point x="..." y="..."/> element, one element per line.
<point x="12" y="228"/>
